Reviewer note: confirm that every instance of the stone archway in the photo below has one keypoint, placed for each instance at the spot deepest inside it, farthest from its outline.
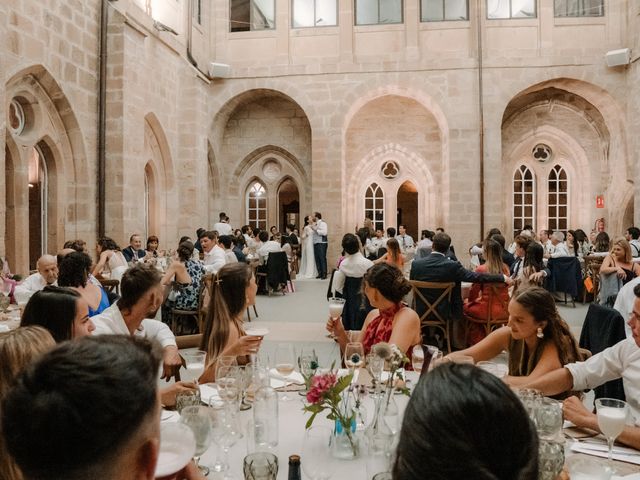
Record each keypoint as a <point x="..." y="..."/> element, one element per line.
<point x="288" y="204"/>
<point x="51" y="127"/>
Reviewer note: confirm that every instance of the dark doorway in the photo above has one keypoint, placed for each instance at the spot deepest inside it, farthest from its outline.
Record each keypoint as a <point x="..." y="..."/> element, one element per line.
<point x="408" y="208"/>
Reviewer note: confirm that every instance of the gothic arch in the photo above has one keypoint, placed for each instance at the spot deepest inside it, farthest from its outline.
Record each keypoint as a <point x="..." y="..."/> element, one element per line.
<point x="54" y="128"/>
<point x="159" y="169"/>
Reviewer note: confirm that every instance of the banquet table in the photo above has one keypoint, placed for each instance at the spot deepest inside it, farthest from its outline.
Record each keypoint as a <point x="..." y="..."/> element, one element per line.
<point x="292" y="419"/>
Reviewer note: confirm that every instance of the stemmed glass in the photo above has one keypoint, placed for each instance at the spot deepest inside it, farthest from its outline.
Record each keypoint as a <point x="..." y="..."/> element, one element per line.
<point x="336" y="305"/>
<point x="316" y="451"/>
<point x="308" y="364"/>
<point x="225" y="434"/>
<point x="194" y="360"/>
<point x="5" y="291"/>
<point x="612" y="417"/>
<point x="228" y="380"/>
<point x="354" y="356"/>
<point x="199" y="421"/>
<point x="285" y="365"/>
<point x="375" y="367"/>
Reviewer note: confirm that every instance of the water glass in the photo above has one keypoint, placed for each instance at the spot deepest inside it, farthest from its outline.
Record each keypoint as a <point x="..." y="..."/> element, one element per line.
<point x="548" y="416"/>
<point x="417" y="358"/>
<point x="199" y="421"/>
<point x="190" y="398"/>
<point x="194" y="363"/>
<point x="550" y="460"/>
<point x="260" y="466"/>
<point x="317" y="463"/>
<point x="378" y="455"/>
<point x="530" y="399"/>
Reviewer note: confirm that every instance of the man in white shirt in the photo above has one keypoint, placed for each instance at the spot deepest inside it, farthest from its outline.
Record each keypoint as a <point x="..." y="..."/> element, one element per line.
<point x="353" y="265"/>
<point x="620" y="361"/>
<point x="405" y="241"/>
<point x="558" y="246"/>
<point x="223" y="227"/>
<point x="320" y="244"/>
<point x="267" y="246"/>
<point x="214" y="258"/>
<point x="633" y="237"/>
<point x="226" y="242"/>
<point x="142" y="296"/>
<point x="624" y="302"/>
<point x="47" y="274"/>
<point x="376" y="243"/>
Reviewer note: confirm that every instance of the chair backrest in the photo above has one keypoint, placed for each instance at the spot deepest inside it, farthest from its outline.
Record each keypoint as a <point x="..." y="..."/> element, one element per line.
<point x="356" y="305"/>
<point x="277" y="269"/>
<point x="566" y="274"/>
<point x="204" y="298"/>
<point x="445" y="289"/>
<point x="330" y="289"/>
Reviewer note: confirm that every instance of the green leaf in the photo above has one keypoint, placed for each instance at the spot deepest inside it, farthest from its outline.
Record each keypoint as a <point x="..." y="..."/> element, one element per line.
<point x="343" y="383"/>
<point x="310" y="421"/>
<point x="314" y="408"/>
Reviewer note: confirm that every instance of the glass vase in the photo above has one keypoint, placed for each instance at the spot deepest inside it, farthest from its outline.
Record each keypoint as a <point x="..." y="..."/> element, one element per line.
<point x="344" y="443"/>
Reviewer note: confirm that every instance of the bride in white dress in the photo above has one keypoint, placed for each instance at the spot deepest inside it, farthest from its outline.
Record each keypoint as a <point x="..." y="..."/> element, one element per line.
<point x="308" y="263"/>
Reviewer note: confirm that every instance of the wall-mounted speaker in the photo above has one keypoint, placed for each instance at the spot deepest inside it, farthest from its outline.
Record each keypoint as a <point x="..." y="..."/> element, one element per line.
<point x="616" y="58"/>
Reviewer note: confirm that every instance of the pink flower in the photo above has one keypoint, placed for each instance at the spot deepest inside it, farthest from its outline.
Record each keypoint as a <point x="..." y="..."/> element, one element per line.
<point x="320" y="384"/>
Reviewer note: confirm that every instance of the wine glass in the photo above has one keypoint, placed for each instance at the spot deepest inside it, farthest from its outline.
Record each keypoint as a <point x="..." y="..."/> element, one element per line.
<point x="354" y="356"/>
<point x="417" y="358"/>
<point x="336" y="305"/>
<point x="225" y="433"/>
<point x="612" y="417"/>
<point x="199" y="421"/>
<point x="375" y="367"/>
<point x="432" y="357"/>
<point x="177" y="447"/>
<point x="285" y="365"/>
<point x="316" y="452"/>
<point x="194" y="361"/>
<point x="308" y="364"/>
<point x="228" y="380"/>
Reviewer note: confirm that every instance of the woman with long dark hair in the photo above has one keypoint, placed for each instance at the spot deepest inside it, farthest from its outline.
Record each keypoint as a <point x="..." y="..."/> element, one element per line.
<point x="393" y="256"/>
<point x="109" y="257"/>
<point x="537" y="339"/>
<point x="234" y="289"/>
<point x="392" y="321"/>
<point x="74" y="271"/>
<point x="464" y="423"/>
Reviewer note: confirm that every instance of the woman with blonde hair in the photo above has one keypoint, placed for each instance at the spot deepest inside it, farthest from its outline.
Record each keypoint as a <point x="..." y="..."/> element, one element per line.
<point x="18" y="349"/>
<point x="487" y="297"/>
<point x="234" y="289"/>
<point x="616" y="271"/>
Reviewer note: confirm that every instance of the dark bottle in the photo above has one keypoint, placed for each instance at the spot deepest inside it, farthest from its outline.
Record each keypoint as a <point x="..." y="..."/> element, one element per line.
<point x="294" y="467"/>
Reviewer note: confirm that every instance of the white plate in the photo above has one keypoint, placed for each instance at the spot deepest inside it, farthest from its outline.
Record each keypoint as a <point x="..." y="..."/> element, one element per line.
<point x="257" y="332"/>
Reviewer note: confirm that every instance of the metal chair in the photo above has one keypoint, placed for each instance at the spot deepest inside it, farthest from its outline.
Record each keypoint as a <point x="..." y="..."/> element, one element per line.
<point x="431" y="317"/>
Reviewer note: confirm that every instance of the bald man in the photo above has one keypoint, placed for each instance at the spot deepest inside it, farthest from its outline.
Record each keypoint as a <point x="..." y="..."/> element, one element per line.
<point x="47" y="274"/>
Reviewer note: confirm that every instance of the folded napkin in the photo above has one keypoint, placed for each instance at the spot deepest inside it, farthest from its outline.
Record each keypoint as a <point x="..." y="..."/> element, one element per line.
<point x="595" y="450"/>
<point x="278" y="381"/>
<point x="209" y="393"/>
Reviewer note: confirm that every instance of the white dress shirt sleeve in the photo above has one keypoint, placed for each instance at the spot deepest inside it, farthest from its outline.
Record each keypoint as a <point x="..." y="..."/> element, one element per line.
<point x="338" y="281"/>
<point x="322" y="228"/>
<point x="217" y="260"/>
<point x="475" y="250"/>
<point x="32" y="284"/>
<point x="158" y="331"/>
<point x="599" y="369"/>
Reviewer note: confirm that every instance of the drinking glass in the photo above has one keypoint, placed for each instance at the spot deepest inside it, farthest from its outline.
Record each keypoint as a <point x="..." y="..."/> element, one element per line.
<point x="318" y="463"/>
<point x="612" y="417"/>
<point x="336" y="305"/>
<point x="226" y="361"/>
<point x="375" y="366"/>
<point x="550" y="460"/>
<point x="229" y="383"/>
<point x="187" y="398"/>
<point x="260" y="466"/>
<point x="225" y="433"/>
<point x="549" y="420"/>
<point x="417" y="358"/>
<point x="285" y="365"/>
<point x="378" y="455"/>
<point x="245" y="376"/>
<point x="308" y="364"/>
<point x="177" y="447"/>
<point x="199" y="421"/>
<point x="5" y="301"/>
<point x="194" y="361"/>
<point x="354" y="356"/>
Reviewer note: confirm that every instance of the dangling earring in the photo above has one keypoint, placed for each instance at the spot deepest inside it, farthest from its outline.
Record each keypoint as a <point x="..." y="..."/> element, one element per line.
<point x="540" y="334"/>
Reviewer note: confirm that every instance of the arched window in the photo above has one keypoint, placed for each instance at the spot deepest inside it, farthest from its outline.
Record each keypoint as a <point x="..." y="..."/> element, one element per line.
<point x="374" y="205"/>
<point x="38" y="205"/>
<point x="524" y="187"/>
<point x="257" y="206"/>
<point x="558" y="199"/>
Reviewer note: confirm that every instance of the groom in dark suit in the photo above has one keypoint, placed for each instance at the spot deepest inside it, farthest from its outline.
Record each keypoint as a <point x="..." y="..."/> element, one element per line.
<point x="436" y="267"/>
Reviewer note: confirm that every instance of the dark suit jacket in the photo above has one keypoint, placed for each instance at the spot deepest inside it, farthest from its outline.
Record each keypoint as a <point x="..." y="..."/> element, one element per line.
<point x="438" y="268"/>
<point x="128" y="253"/>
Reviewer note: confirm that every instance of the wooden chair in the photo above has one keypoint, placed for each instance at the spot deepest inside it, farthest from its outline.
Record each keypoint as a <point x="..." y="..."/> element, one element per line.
<point x="178" y="315"/>
<point x="189" y="341"/>
<point x="490" y="322"/>
<point x="431" y="317"/>
<point x="204" y="299"/>
<point x="254" y="311"/>
<point x="110" y="285"/>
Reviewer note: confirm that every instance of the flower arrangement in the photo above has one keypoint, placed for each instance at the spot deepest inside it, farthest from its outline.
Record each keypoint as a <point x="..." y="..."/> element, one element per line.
<point x="327" y="392"/>
<point x="396" y="359"/>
